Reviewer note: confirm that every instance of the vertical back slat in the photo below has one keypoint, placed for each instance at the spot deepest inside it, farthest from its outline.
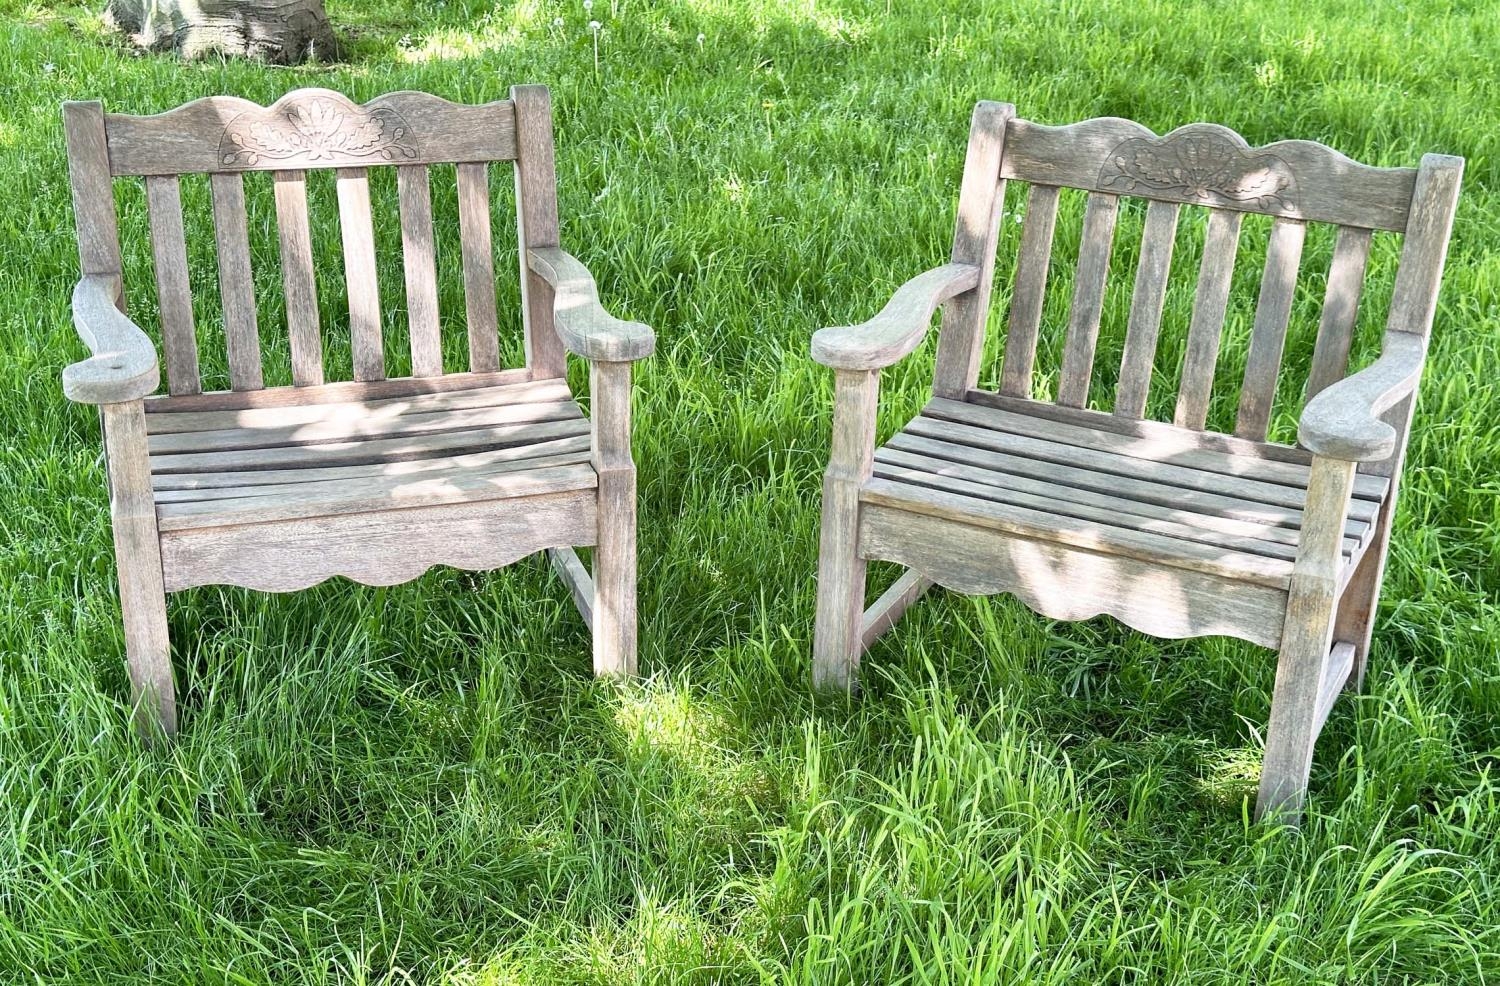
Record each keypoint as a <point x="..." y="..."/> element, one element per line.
<point x="359" y="273"/>
<point x="479" y="267"/>
<point x="536" y="223"/>
<point x="1267" y="337"/>
<point x="1205" y="329"/>
<point x="1088" y="299"/>
<point x="420" y="259"/>
<point x="1346" y="278"/>
<point x="1035" y="256"/>
<point x="961" y="336"/>
<point x="297" y="278"/>
<point x="236" y="283"/>
<point x="174" y="294"/>
<point x="1146" y="301"/>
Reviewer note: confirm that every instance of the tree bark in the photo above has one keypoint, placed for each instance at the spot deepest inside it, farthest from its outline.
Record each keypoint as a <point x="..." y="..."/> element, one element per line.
<point x="281" y="31"/>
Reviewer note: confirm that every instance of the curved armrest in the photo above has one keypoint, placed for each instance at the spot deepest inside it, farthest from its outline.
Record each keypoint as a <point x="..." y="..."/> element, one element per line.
<point x="899" y="327"/>
<point x="123" y="366"/>
<point x="1343" y="422"/>
<point x="582" y="323"/>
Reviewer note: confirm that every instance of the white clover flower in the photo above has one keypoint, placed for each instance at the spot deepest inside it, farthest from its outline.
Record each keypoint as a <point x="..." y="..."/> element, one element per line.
<point x="49" y="68"/>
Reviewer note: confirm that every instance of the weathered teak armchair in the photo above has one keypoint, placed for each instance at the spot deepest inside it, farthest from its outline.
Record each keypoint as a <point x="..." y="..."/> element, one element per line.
<point x="1174" y="530"/>
<point x="375" y="478"/>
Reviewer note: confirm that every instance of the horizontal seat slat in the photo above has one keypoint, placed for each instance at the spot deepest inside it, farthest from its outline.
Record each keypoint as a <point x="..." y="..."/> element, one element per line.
<point x="364" y="496"/>
<point x="1173" y="448"/>
<point x="340" y="392"/>
<point x="1111" y="507"/>
<point x="1048" y="526"/>
<point x="371" y="450"/>
<point x="187" y="485"/>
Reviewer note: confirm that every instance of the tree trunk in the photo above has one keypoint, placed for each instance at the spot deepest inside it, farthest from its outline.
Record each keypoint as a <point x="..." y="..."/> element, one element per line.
<point x="280" y="31"/>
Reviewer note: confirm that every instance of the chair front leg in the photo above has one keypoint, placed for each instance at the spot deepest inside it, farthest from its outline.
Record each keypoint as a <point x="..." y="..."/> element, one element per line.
<point x="614" y="611"/>
<point x="143" y="597"/>
<point x="841" y="571"/>
<point x="1306" y="640"/>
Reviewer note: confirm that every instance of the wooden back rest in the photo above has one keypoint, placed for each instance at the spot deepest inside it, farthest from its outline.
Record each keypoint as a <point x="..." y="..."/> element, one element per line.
<point x="1295" y="182"/>
<point x="226" y="137"/>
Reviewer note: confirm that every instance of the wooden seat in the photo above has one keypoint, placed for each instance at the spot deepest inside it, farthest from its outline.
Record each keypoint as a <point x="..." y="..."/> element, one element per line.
<point x="378" y="478"/>
<point x="1076" y="501"/>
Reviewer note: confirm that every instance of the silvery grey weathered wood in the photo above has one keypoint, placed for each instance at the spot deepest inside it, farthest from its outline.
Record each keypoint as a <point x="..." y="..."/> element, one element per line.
<point x="1343" y="422"/>
<point x="536" y="223"/>
<point x="569" y="568"/>
<point x="357" y="227"/>
<point x="1215" y="275"/>
<point x="1088" y="300"/>
<point x="1145" y="309"/>
<point x="614" y="613"/>
<point x="1268" y="335"/>
<point x="1066" y="582"/>
<point x="1174" y="530"/>
<point x="1029" y="291"/>
<point x="1346" y="278"/>
<point x="179" y="342"/>
<point x="892" y="604"/>
<point x="308" y="128"/>
<point x="143" y="601"/>
<point x="122" y="363"/>
<point x="899" y="327"/>
<point x="479" y="268"/>
<point x="373" y="479"/>
<point x="420" y="261"/>
<point x="298" y="281"/>
<point x="579" y="319"/>
<point x="383" y="548"/>
<point x="961" y="340"/>
<point x="1206" y="164"/>
<point x="236" y="282"/>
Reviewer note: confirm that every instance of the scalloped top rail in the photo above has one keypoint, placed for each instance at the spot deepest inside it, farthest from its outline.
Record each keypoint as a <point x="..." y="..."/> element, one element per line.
<point x="309" y="128"/>
<point x="1206" y="164"/>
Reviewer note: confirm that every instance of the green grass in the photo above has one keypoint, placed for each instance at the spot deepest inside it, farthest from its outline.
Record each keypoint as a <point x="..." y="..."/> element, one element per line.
<point x="423" y="784"/>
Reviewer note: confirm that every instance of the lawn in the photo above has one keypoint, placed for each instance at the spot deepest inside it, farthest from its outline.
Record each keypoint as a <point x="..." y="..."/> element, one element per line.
<point x="423" y="784"/>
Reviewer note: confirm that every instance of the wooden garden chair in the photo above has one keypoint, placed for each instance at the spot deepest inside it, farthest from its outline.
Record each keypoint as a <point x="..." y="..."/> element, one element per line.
<point x="1173" y="529"/>
<point x="376" y="478"/>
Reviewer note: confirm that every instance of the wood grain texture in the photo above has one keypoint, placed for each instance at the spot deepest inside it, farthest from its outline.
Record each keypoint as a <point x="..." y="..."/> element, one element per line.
<point x="1306" y="639"/>
<point x="892" y="604"/>
<point x="1088" y="300"/>
<point x="93" y="196"/>
<point x="569" y="568"/>
<point x="536" y="223"/>
<point x="1346" y="278"/>
<point x="1278" y="285"/>
<point x="1343" y="422"/>
<point x="980" y="197"/>
<point x="479" y="268"/>
<point x="298" y="280"/>
<point x="419" y="257"/>
<point x="1029" y="291"/>
<point x="614" y="613"/>
<point x="143" y="600"/>
<point x="1067" y="582"/>
<point x="899" y="327"/>
<point x="358" y="231"/>
<point x="179" y="340"/>
<point x="1205" y="329"/>
<point x="383" y="548"/>
<point x="236" y="282"/>
<point x="122" y="363"/>
<point x="341" y="391"/>
<point x="1145" y="309"/>
<point x="841" y="567"/>
<point x="1210" y="165"/>
<point x="579" y="319"/>
<point x="309" y="128"/>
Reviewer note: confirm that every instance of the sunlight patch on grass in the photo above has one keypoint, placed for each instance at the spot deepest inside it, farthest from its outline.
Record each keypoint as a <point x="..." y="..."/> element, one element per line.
<point x="492" y="34"/>
<point x="666" y="717"/>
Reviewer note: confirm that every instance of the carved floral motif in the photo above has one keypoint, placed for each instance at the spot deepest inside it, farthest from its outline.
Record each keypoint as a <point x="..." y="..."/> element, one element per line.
<point x="1203" y="166"/>
<point x="315" y="129"/>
